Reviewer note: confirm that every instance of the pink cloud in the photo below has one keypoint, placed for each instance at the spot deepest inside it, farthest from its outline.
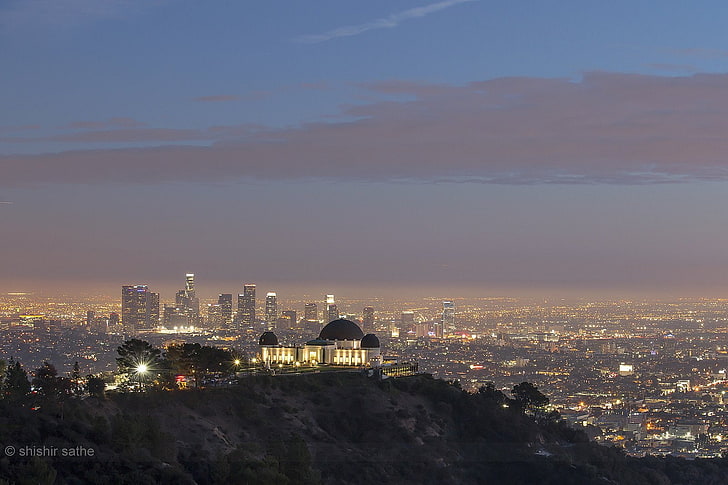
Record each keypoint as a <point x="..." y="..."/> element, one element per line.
<point x="606" y="128"/>
<point x="117" y="122"/>
<point x="217" y="98"/>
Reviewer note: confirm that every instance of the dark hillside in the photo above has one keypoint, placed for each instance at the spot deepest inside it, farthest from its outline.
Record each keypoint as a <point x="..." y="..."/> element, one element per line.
<point x="321" y="428"/>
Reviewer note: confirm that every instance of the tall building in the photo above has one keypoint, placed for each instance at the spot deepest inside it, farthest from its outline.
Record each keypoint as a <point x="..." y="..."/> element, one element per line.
<point x="186" y="311"/>
<point x="194" y="302"/>
<point x="310" y="312"/>
<point x="448" y="317"/>
<point x="271" y="310"/>
<point x="139" y="308"/>
<point x="331" y="313"/>
<point x="289" y="317"/>
<point x="367" y="320"/>
<point x="246" y="306"/>
<point x="225" y="300"/>
<point x="407" y="320"/>
<point x="153" y="310"/>
<point x="215" y="317"/>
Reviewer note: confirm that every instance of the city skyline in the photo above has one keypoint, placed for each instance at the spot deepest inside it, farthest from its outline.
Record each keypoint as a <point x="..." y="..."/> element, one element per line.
<point x="456" y="147"/>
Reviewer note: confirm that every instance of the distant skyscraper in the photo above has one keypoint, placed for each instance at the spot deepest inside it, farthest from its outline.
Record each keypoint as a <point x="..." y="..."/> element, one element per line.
<point x="367" y="320"/>
<point x="331" y="312"/>
<point x="225" y="300"/>
<point x="215" y="317"/>
<point x="186" y="311"/>
<point x="193" y="301"/>
<point x="407" y="321"/>
<point x="448" y="316"/>
<point x="271" y="310"/>
<point x="90" y="318"/>
<point x="289" y="316"/>
<point x="393" y="329"/>
<point x="310" y="312"/>
<point x="153" y="310"/>
<point x="139" y="308"/>
<point x="246" y="306"/>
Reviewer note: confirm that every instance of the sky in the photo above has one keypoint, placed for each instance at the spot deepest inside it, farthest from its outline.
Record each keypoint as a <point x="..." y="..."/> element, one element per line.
<point x="452" y="147"/>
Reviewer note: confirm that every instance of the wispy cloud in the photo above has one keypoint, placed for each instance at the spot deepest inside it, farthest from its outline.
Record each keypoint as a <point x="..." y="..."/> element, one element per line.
<point x="388" y="22"/>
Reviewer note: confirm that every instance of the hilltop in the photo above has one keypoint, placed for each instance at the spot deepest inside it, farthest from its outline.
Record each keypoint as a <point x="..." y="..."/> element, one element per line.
<point x="320" y="428"/>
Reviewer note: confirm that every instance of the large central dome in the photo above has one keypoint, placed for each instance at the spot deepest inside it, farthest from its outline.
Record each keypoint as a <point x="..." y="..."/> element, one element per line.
<point x="341" y="329"/>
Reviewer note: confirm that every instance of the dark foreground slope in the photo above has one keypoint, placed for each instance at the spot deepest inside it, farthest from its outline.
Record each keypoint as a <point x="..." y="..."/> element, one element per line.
<point x="323" y="428"/>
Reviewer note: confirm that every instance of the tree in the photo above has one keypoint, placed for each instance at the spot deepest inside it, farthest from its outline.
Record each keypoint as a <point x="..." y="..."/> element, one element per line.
<point x="529" y="397"/>
<point x="134" y="353"/>
<point x="17" y="385"/>
<point x="46" y="381"/>
<point x="192" y="359"/>
<point x="3" y="370"/>
<point x="76" y="384"/>
<point x="96" y="387"/>
<point x="182" y="358"/>
<point x="214" y="359"/>
<point x="489" y="391"/>
<point x="138" y="359"/>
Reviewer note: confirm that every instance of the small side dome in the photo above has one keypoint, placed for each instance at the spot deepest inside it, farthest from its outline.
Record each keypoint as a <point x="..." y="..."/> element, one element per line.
<point x="370" y="341"/>
<point x="268" y="338"/>
<point x="341" y="329"/>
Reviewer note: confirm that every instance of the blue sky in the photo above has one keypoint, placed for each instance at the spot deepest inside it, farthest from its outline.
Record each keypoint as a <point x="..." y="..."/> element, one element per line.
<point x="498" y="147"/>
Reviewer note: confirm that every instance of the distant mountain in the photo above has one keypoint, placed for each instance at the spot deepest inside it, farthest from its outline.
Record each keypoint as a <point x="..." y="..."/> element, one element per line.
<point x="328" y="428"/>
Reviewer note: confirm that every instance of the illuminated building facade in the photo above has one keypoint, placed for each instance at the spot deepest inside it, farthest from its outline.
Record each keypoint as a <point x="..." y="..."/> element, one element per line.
<point x="186" y="309"/>
<point x="246" y="306"/>
<point x="139" y="308"/>
<point x="331" y="312"/>
<point x="225" y="301"/>
<point x="271" y="310"/>
<point x="288" y="318"/>
<point x="368" y="318"/>
<point x="310" y="312"/>
<point x="341" y="342"/>
<point x="448" y="316"/>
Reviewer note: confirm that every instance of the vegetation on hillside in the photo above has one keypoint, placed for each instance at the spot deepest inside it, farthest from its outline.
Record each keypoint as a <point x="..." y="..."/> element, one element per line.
<point x="316" y="428"/>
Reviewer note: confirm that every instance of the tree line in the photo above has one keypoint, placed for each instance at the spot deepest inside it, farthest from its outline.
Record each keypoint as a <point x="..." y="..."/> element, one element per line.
<point x="139" y="362"/>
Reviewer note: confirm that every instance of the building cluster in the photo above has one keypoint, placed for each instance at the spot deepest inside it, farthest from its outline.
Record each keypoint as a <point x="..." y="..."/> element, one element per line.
<point x="140" y="313"/>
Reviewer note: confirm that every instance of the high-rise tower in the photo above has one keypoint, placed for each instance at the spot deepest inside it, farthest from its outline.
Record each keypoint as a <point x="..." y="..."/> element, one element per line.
<point x="225" y="300"/>
<point x="448" y="317"/>
<point x="186" y="309"/>
<point x="331" y="312"/>
<point x="289" y="317"/>
<point x="246" y="306"/>
<point x="367" y="320"/>
<point x="310" y="312"/>
<point x="139" y="308"/>
<point x="271" y="310"/>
